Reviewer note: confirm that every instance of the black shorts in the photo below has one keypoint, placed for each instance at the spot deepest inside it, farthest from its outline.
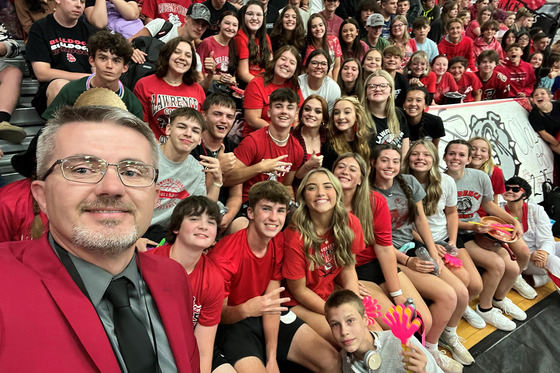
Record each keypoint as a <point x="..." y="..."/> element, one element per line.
<point x="372" y="272"/>
<point x="39" y="101"/>
<point x="465" y="237"/>
<point x="218" y="358"/>
<point x="246" y="338"/>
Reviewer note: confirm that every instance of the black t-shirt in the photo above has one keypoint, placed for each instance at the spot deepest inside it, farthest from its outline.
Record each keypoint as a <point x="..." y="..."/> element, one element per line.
<point x="61" y="47"/>
<point x="383" y="135"/>
<point x="549" y="122"/>
<point x="401" y="87"/>
<point x="202" y="150"/>
<point x="214" y="16"/>
<point x="430" y="126"/>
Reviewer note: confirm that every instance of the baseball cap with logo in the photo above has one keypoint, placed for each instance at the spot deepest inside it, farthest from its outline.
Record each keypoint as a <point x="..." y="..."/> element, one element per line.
<point x="199" y="11"/>
<point x="375" y="19"/>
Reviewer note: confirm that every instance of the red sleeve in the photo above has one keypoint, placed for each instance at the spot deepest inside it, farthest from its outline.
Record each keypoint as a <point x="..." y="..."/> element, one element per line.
<point x="269" y="43"/>
<point x="224" y="256"/>
<point x="242" y="45"/>
<point x="203" y="51"/>
<point x="199" y="95"/>
<point x="498" y="182"/>
<point x="476" y="83"/>
<point x="381" y="220"/>
<point x="335" y="44"/>
<point x="429" y="82"/>
<point x="452" y="83"/>
<point x="246" y="150"/>
<point x="358" y="244"/>
<point x="531" y="80"/>
<point x="253" y="98"/>
<point x="148" y="9"/>
<point x="213" y="294"/>
<point x="295" y="263"/>
<point x="278" y="247"/>
<point x="469" y="54"/>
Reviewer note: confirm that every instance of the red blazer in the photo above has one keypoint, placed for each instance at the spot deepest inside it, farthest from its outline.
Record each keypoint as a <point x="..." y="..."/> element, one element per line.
<point x="48" y="325"/>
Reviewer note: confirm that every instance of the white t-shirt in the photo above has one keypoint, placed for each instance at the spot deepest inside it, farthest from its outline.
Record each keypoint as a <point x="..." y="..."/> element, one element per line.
<point x="438" y="221"/>
<point x="329" y="90"/>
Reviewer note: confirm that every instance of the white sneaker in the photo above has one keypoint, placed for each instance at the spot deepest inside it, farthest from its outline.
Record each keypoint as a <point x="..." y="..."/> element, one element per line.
<point x="452" y="342"/>
<point x="495" y="318"/>
<point x="447" y="364"/>
<point x="507" y="306"/>
<point x="473" y="318"/>
<point x="541" y="280"/>
<point x="524" y="289"/>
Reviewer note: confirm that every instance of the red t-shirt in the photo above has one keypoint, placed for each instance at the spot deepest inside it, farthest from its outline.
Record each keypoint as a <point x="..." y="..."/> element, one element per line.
<point x="259" y="146"/>
<point x="462" y="48"/>
<point x="381" y="229"/>
<point x="321" y="279"/>
<point x="522" y="78"/>
<point x="496" y="87"/>
<point x="257" y="96"/>
<point x="159" y="99"/>
<point x="245" y="275"/>
<point x="241" y="41"/>
<point x="207" y="288"/>
<point x="498" y="185"/>
<point x="16" y="212"/>
<point x="221" y="54"/>
<point x="429" y="82"/>
<point x="173" y="11"/>
<point x="468" y="84"/>
<point x="446" y="84"/>
<point x="334" y="49"/>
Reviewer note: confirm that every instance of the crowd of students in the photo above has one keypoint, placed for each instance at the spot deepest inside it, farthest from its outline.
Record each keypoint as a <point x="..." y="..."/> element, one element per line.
<point x="294" y="134"/>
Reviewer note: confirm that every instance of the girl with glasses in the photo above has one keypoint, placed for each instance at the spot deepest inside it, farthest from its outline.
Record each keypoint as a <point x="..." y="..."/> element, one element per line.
<point x="399" y="36"/>
<point x="317" y="38"/>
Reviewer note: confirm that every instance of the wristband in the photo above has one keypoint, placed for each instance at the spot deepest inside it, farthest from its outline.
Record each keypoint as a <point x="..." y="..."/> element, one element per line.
<point x="395" y="294"/>
<point x="406" y="263"/>
<point x="218" y="185"/>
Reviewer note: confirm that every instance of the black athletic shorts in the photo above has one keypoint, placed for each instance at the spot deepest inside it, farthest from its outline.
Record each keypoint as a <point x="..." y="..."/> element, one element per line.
<point x="372" y="272"/>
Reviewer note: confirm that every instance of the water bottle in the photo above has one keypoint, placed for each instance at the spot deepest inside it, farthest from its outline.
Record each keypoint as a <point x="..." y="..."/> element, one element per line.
<point x="451" y="249"/>
<point x="423" y="254"/>
<point x="410" y="303"/>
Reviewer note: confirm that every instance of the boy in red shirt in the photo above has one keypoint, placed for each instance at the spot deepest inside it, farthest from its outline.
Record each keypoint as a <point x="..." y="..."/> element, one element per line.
<point x="455" y="44"/>
<point x="495" y="85"/>
<point x="252" y="330"/>
<point x="520" y="73"/>
<point x="468" y="83"/>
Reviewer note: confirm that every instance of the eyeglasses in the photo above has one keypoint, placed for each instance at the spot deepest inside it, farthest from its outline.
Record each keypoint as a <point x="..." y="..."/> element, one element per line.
<point x="398" y="26"/>
<point x="381" y="86"/>
<point x="90" y="170"/>
<point x="514" y="189"/>
<point x="318" y="63"/>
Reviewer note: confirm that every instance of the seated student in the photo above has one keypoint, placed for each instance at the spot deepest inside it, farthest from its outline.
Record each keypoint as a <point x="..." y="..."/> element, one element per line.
<point x="219" y="113"/>
<point x="473" y="29"/>
<point x="392" y="60"/>
<point x="121" y="18"/>
<point x="192" y="230"/>
<point x="317" y="38"/>
<point x="419" y="73"/>
<point x="545" y="251"/>
<point x="455" y="44"/>
<point x="172" y="86"/>
<point x="372" y="61"/>
<point x="281" y="72"/>
<point x="403" y="7"/>
<point x="217" y="9"/>
<point x="388" y="10"/>
<point x="487" y="40"/>
<point x="56" y="60"/>
<point x="430" y="10"/>
<point x="350" y="43"/>
<point x="449" y="10"/>
<point x="422" y="124"/>
<point x="346" y="316"/>
<point x="320" y="249"/>
<point x="173" y="11"/>
<point x="180" y="174"/>
<point x="315" y="81"/>
<point x="252" y="333"/>
<point x="109" y="54"/>
<point x="269" y="153"/>
<point x="520" y="73"/>
<point x="445" y="81"/>
<point x="333" y="22"/>
<point x="400" y="37"/>
<point x="374" y="26"/>
<point x="10" y="83"/>
<point x="495" y="85"/>
<point x="420" y="29"/>
<point x="304" y="15"/>
<point x="29" y="11"/>
<point x="289" y="29"/>
<point x="552" y="80"/>
<point x="350" y="80"/>
<point x="467" y="82"/>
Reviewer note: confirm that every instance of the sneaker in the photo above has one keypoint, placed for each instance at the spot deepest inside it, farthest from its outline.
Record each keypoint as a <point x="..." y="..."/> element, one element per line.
<point x="510" y="309"/>
<point x="11" y="133"/>
<point x="473" y="318"/>
<point x="447" y="364"/>
<point x="495" y="318"/>
<point x="540" y="280"/>
<point x="524" y="289"/>
<point x="453" y="343"/>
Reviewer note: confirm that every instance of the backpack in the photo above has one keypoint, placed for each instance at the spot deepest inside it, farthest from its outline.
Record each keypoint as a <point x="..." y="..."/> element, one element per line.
<point x="151" y="46"/>
<point x="551" y="204"/>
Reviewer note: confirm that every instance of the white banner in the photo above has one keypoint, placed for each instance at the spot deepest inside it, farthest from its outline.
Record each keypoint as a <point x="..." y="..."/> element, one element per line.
<point x="516" y="147"/>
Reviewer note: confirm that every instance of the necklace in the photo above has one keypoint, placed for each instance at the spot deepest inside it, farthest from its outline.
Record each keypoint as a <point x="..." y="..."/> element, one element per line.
<point x="174" y="84"/>
<point x="278" y="141"/>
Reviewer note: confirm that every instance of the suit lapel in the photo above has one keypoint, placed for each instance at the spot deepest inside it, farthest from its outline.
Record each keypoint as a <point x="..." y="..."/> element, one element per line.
<point x="76" y="308"/>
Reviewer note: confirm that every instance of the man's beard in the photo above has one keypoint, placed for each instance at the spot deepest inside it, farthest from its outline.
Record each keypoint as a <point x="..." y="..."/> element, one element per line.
<point x="106" y="242"/>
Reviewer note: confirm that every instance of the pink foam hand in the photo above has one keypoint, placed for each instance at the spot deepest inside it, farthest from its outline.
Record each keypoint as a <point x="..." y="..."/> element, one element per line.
<point x="398" y="319"/>
<point x="372" y="309"/>
<point x="453" y="261"/>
